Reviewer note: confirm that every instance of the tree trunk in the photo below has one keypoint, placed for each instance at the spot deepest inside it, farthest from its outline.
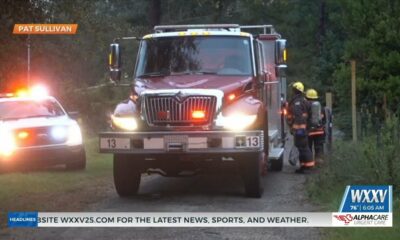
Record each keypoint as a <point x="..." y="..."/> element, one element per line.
<point x="322" y="20"/>
<point x="155" y="12"/>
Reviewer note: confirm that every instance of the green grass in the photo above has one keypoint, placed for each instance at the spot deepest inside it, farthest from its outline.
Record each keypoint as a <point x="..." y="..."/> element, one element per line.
<point x="19" y="189"/>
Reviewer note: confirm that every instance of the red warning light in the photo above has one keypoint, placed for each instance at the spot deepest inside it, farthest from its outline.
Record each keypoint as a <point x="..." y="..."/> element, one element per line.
<point x="231" y="96"/>
<point x="198" y="114"/>
<point x="23" y="135"/>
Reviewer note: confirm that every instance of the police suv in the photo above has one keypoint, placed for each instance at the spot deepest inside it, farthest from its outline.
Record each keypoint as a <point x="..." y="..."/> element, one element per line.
<point x="35" y="131"/>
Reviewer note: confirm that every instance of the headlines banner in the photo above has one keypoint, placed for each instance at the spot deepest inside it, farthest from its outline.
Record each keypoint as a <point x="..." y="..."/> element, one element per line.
<point x="362" y="206"/>
<point x="197" y="219"/>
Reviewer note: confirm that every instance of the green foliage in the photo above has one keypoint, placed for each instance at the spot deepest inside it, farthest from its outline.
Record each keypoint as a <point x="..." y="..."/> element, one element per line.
<point x="373" y="161"/>
<point x="95" y="105"/>
<point x="367" y="32"/>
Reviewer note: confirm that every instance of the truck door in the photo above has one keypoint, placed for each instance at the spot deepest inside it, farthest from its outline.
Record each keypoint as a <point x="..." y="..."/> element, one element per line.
<point x="260" y="76"/>
<point x="274" y="86"/>
<point x="271" y="86"/>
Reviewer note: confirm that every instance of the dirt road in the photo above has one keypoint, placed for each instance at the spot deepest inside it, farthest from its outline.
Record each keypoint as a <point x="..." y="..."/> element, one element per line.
<point x="284" y="191"/>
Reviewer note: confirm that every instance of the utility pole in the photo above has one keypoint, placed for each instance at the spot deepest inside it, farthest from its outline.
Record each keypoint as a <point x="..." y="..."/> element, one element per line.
<point x="328" y="100"/>
<point x="328" y="97"/>
<point x="28" y="73"/>
<point x="353" y="99"/>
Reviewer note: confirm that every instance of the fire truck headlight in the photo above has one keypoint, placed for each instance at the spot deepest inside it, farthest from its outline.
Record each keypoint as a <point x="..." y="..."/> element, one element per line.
<point x="125" y="123"/>
<point x="236" y="121"/>
<point x="74" y="135"/>
<point x="7" y="143"/>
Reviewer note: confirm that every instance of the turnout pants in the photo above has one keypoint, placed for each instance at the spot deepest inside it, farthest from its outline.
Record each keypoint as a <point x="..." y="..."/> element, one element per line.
<point x="317" y="142"/>
<point x="305" y="154"/>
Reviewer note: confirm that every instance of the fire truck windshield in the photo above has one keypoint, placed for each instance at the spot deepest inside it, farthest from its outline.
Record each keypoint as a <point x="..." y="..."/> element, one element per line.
<point x="10" y="110"/>
<point x="221" y="55"/>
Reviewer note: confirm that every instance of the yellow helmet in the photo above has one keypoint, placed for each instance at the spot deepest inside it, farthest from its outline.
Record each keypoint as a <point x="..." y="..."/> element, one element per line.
<point x="299" y="86"/>
<point x="311" y="94"/>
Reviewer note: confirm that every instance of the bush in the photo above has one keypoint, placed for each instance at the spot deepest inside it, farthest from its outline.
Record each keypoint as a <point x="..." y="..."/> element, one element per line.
<point x="94" y="104"/>
<point x="374" y="160"/>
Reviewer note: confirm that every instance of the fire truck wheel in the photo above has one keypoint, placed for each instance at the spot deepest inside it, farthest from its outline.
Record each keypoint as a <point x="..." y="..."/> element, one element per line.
<point x="79" y="164"/>
<point x="277" y="165"/>
<point x="251" y="165"/>
<point x="127" y="175"/>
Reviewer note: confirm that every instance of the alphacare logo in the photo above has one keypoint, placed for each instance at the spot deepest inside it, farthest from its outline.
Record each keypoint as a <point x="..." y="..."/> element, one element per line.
<point x="368" y="196"/>
<point x="346" y="218"/>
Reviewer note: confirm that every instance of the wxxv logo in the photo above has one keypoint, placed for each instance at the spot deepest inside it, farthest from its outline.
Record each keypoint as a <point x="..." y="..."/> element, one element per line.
<point x="368" y="196"/>
<point x="367" y="199"/>
<point x="366" y="205"/>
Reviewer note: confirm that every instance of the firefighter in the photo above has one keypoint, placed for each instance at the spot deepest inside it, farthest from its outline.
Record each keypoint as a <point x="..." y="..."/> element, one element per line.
<point x="316" y="125"/>
<point x="297" y="120"/>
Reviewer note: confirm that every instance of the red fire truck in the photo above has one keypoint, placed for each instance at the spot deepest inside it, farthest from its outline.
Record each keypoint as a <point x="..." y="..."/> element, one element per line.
<point x="205" y="98"/>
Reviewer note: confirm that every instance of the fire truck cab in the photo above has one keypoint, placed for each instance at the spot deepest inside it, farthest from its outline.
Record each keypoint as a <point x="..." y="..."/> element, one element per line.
<point x="204" y="98"/>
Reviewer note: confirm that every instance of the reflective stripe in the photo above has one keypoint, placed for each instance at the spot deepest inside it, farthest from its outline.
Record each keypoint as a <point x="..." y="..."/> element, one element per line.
<point x="308" y="164"/>
<point x="299" y="126"/>
<point x="316" y="133"/>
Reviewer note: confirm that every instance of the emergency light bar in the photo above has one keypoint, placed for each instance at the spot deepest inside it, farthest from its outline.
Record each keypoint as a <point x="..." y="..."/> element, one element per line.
<point x="175" y="28"/>
<point x="37" y="91"/>
<point x="267" y="29"/>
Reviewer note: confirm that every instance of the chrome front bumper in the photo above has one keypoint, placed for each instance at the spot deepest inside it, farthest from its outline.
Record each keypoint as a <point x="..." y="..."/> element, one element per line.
<point x="184" y="142"/>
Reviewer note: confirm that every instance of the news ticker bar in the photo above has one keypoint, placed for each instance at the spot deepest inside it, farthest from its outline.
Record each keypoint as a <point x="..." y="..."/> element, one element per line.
<point x="198" y="219"/>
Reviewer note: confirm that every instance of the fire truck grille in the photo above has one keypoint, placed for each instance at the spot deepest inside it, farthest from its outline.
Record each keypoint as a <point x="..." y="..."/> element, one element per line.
<point x="178" y="111"/>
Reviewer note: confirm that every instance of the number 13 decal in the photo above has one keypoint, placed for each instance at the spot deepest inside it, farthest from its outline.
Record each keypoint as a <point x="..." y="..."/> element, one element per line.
<point x="112" y="143"/>
<point x="253" y="141"/>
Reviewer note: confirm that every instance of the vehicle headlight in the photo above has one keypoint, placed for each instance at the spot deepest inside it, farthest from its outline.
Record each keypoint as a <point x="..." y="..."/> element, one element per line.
<point x="74" y="135"/>
<point x="7" y="142"/>
<point x="59" y="133"/>
<point x="236" y="121"/>
<point x="125" y="123"/>
<point x="71" y="134"/>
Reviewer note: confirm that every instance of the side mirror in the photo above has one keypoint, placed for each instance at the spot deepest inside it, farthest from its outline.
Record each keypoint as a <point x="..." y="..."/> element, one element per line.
<point x="114" y="62"/>
<point x="74" y="115"/>
<point x="281" y="70"/>
<point x="280" y="51"/>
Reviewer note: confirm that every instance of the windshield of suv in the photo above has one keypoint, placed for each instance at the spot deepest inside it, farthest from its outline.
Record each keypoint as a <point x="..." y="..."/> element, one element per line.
<point x="29" y="109"/>
<point x="222" y="55"/>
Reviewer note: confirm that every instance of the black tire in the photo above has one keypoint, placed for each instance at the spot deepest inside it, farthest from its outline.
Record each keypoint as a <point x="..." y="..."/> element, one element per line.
<point x="79" y="164"/>
<point x="251" y="172"/>
<point x="127" y="175"/>
<point x="277" y="164"/>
